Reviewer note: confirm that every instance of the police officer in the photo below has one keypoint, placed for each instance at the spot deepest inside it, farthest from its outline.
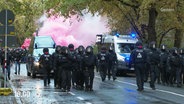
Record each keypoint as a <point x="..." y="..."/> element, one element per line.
<point x="89" y="62"/>
<point x="58" y="64"/>
<point x="163" y="63"/>
<point x="112" y="62"/>
<point x="102" y="57"/>
<point x="46" y="64"/>
<point x="175" y="64"/>
<point x="65" y="61"/>
<point x="182" y="63"/>
<point x="80" y="67"/>
<point x="154" y="60"/>
<point x="73" y="64"/>
<point x="138" y="58"/>
<point x="55" y="55"/>
<point x="147" y="64"/>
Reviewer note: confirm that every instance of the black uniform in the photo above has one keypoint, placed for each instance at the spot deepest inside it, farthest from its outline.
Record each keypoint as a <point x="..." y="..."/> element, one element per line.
<point x="163" y="64"/>
<point x="112" y="62"/>
<point x="89" y="62"/>
<point x="80" y="67"/>
<point x="46" y="64"/>
<point x="65" y="61"/>
<point x="147" y="64"/>
<point x="175" y="64"/>
<point x="182" y="63"/>
<point x="73" y="64"/>
<point x="55" y="55"/>
<point x="138" y="58"/>
<point x="102" y="57"/>
<point x="154" y="60"/>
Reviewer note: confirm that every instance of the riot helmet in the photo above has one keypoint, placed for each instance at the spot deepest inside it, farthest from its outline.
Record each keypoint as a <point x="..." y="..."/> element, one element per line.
<point x="65" y="50"/>
<point x="81" y="49"/>
<point x="181" y="51"/>
<point x="58" y="48"/>
<point x="103" y="49"/>
<point x="111" y="49"/>
<point x="89" y="49"/>
<point x="153" y="45"/>
<point x="174" y="51"/>
<point x="71" y="47"/>
<point x="45" y="50"/>
<point x="138" y="44"/>
<point x="163" y="47"/>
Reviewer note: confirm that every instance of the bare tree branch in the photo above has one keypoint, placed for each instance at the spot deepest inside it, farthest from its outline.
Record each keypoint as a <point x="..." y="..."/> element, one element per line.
<point x="164" y="33"/>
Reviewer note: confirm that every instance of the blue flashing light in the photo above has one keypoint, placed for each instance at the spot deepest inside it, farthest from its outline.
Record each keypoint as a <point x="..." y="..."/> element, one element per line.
<point x="117" y="34"/>
<point x="133" y="35"/>
<point x="127" y="58"/>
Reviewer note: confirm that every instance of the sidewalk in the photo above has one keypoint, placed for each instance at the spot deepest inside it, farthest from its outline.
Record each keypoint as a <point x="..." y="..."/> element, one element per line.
<point x="9" y="99"/>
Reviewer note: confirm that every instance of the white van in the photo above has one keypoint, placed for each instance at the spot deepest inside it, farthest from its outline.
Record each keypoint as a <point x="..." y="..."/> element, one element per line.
<point x="40" y="42"/>
<point x="123" y="45"/>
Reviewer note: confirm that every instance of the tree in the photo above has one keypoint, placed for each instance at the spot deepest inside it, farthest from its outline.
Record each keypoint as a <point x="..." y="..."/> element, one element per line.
<point x="26" y="13"/>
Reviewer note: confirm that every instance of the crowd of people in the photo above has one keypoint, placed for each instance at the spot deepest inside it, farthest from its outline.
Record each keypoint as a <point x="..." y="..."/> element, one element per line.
<point x="162" y="65"/>
<point x="14" y="56"/>
<point x="75" y="67"/>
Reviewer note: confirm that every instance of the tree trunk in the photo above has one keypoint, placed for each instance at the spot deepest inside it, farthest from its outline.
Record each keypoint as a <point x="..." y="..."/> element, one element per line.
<point x="151" y="24"/>
<point x="178" y="38"/>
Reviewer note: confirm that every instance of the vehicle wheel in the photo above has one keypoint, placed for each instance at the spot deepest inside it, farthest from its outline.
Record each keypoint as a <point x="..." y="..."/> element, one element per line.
<point x="28" y="74"/>
<point x="33" y="75"/>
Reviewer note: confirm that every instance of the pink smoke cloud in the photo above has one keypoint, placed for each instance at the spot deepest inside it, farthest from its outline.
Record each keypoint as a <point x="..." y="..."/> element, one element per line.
<point x="71" y="30"/>
<point x="26" y="43"/>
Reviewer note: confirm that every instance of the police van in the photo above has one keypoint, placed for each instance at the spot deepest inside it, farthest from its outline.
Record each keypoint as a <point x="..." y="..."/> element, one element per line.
<point x="39" y="43"/>
<point x="122" y="45"/>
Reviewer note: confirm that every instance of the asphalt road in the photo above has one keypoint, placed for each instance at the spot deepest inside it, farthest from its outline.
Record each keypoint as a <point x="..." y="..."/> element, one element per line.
<point x="122" y="91"/>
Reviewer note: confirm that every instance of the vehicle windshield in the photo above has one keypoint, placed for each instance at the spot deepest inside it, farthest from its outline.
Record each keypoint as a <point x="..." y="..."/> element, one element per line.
<point x="125" y="47"/>
<point x="44" y="41"/>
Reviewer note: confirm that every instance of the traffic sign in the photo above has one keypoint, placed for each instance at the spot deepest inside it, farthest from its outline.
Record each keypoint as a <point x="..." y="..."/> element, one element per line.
<point x="10" y="30"/>
<point x="10" y="17"/>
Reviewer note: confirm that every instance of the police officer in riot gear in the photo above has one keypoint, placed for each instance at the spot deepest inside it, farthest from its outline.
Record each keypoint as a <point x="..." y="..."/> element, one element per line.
<point x="181" y="52"/>
<point x="80" y="67"/>
<point x="147" y="64"/>
<point x="58" y="64"/>
<point x="65" y="61"/>
<point x="112" y="62"/>
<point x="73" y="64"/>
<point x="55" y="55"/>
<point x="46" y="64"/>
<point x="138" y="58"/>
<point x="175" y="64"/>
<point x="102" y="57"/>
<point x="163" y="63"/>
<point x="154" y="60"/>
<point x="89" y="63"/>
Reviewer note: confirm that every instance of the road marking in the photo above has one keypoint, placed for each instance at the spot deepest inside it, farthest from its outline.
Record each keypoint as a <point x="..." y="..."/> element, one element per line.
<point x="80" y="98"/>
<point x="72" y="93"/>
<point x="88" y="103"/>
<point x="165" y="91"/>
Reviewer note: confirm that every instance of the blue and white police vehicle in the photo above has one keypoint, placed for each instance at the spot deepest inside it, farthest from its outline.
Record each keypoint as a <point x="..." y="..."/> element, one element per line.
<point x="123" y="45"/>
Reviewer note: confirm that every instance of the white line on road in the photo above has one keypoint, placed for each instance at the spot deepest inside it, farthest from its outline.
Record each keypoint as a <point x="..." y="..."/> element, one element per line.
<point x="88" y="103"/>
<point x="72" y="93"/>
<point x="165" y="91"/>
<point x="80" y="98"/>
